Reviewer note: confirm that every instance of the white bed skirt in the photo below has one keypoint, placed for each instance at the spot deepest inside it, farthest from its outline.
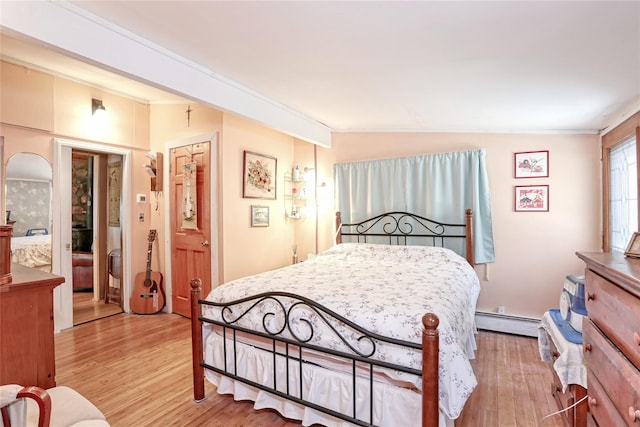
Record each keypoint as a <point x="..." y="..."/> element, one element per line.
<point x="393" y="406"/>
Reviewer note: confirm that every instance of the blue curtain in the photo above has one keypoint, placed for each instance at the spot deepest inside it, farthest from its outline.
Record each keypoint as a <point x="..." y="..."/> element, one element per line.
<point x="438" y="186"/>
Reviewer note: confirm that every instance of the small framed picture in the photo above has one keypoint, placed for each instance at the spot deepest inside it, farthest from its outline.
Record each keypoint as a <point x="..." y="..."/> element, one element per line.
<point x="531" y="198"/>
<point x="633" y="248"/>
<point x="259" y="216"/>
<point x="259" y="176"/>
<point x="531" y="164"/>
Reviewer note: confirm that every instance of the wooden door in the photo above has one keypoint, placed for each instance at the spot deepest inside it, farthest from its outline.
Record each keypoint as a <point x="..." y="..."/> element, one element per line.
<point x="191" y="240"/>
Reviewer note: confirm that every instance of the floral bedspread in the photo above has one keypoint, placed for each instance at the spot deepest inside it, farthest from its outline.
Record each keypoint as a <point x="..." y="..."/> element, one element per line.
<point x="32" y="251"/>
<point x="385" y="289"/>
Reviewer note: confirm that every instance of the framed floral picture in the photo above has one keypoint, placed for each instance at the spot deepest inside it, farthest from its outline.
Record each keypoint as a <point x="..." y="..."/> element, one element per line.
<point x="531" y="164"/>
<point x="259" y="176"/>
<point x="532" y="198"/>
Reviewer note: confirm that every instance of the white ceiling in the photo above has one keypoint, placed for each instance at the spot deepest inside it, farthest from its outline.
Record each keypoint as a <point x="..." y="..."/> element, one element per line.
<point x="455" y="66"/>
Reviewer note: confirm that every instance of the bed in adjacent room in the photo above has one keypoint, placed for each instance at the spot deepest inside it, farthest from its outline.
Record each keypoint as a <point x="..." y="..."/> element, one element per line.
<point x="32" y="251"/>
<point x="363" y="333"/>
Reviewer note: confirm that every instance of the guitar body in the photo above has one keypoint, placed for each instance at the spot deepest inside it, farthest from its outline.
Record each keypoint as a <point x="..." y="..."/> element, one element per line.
<point x="148" y="294"/>
<point x="147" y="298"/>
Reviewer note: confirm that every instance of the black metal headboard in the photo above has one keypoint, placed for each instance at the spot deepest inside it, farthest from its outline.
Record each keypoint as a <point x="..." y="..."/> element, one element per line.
<point x="398" y="226"/>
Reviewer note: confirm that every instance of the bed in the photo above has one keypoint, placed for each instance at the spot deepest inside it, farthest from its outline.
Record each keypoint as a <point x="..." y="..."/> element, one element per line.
<point x="32" y="251"/>
<point x="373" y="331"/>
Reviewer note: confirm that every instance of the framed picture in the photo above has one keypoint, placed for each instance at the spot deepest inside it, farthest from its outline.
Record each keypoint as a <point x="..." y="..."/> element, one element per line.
<point x="259" y="216"/>
<point x="114" y="173"/>
<point x="633" y="248"/>
<point x="259" y="176"/>
<point x="531" y="164"/>
<point x="532" y="198"/>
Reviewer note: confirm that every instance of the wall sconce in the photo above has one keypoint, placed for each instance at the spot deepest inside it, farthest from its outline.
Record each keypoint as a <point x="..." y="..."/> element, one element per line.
<point x="97" y="106"/>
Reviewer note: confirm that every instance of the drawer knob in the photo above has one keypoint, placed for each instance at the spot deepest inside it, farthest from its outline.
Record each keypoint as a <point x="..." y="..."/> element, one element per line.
<point x="591" y="296"/>
<point x="593" y="402"/>
<point x="587" y="347"/>
<point x="634" y="414"/>
<point x="636" y="338"/>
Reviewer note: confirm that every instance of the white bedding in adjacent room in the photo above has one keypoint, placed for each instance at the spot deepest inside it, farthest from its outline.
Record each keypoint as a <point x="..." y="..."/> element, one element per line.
<point x="32" y="251"/>
<point x="385" y="289"/>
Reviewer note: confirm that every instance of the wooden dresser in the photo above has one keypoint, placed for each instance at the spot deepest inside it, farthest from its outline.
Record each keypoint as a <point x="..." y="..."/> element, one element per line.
<point x="27" y="350"/>
<point x="611" y="339"/>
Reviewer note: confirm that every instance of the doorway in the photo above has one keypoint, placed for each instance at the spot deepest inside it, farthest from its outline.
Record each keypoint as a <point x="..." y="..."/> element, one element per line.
<point x="192" y="218"/>
<point x="95" y="235"/>
<point x="108" y="230"/>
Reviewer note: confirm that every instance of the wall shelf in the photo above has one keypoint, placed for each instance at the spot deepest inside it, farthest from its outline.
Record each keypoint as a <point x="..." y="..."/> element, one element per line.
<point x="295" y="196"/>
<point x="154" y="169"/>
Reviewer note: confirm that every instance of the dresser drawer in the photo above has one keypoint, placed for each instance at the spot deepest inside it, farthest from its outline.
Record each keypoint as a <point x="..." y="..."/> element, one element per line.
<point x="612" y="380"/>
<point x="600" y="406"/>
<point x="616" y="312"/>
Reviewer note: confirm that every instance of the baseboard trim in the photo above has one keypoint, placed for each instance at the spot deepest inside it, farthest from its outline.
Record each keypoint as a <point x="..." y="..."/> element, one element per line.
<point x="518" y="325"/>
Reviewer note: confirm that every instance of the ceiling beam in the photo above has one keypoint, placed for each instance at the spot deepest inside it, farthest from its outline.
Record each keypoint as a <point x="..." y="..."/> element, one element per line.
<point x="81" y="35"/>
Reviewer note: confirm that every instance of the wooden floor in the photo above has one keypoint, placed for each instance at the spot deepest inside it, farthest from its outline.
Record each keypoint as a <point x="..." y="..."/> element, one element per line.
<point x="137" y="370"/>
<point x="86" y="309"/>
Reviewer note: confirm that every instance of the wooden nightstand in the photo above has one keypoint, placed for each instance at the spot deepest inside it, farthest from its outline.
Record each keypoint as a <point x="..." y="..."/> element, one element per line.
<point x="565" y="361"/>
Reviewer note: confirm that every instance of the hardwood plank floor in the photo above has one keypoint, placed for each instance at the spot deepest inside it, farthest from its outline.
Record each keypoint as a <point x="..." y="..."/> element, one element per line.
<point x="137" y="370"/>
<point x="85" y="309"/>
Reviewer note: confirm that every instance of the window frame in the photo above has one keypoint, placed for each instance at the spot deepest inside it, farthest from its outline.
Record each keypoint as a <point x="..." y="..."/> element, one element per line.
<point x="611" y="139"/>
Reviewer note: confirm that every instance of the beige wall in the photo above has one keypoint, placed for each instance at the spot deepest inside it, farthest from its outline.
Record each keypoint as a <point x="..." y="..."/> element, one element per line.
<point x="246" y="250"/>
<point x="169" y="124"/>
<point x="249" y="250"/>
<point x="534" y="250"/>
<point x="37" y="107"/>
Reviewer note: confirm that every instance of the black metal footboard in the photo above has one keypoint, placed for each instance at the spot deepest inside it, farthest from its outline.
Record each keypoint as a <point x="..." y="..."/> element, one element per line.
<point x="289" y="324"/>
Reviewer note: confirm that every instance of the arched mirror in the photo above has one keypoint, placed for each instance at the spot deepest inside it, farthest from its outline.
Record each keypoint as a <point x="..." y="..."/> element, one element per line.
<point x="28" y="209"/>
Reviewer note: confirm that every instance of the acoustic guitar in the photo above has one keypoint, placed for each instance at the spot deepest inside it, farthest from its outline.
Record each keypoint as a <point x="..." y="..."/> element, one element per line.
<point x="148" y="294"/>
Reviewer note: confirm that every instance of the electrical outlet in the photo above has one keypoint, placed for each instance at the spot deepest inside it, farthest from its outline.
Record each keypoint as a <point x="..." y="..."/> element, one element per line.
<point x="501" y="309"/>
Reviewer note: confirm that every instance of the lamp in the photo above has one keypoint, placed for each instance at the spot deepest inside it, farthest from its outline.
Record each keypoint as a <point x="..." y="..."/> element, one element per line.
<point x="96" y="105"/>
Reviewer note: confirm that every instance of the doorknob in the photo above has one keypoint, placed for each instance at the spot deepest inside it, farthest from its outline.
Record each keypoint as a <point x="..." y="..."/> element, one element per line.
<point x="204" y="243"/>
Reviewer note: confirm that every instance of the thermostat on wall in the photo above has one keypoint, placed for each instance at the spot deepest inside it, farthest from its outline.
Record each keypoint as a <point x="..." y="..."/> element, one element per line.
<point x="141" y="198"/>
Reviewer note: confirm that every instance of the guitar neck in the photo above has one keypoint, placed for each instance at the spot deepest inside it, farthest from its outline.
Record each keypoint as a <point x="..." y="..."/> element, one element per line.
<point x="152" y="237"/>
<point x="148" y="272"/>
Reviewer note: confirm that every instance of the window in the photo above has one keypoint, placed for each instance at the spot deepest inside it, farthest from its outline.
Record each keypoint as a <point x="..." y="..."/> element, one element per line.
<point x="623" y="194"/>
<point x="620" y="184"/>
